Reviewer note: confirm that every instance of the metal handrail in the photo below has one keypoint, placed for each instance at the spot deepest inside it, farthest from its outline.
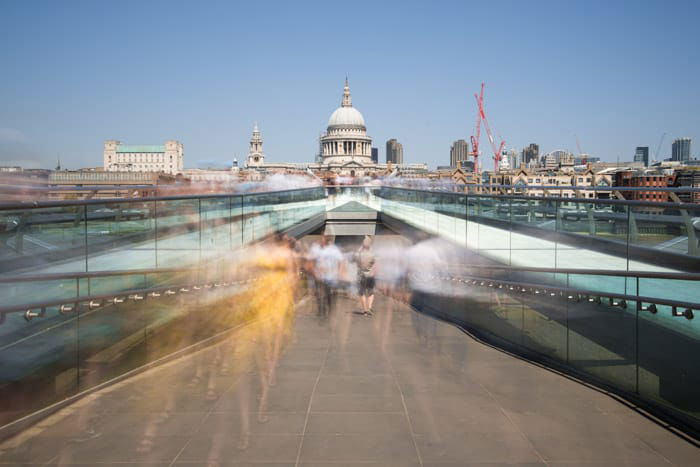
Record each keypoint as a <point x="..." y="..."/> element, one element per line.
<point x="595" y="272"/>
<point x="591" y="188"/>
<point x="81" y="187"/>
<point x="535" y="187"/>
<point x="98" y="298"/>
<point x="63" y="203"/>
<point x="571" y="292"/>
<point x="16" y="205"/>
<point x="89" y="275"/>
<point x="491" y="281"/>
<point x="591" y="272"/>
<point x="620" y="202"/>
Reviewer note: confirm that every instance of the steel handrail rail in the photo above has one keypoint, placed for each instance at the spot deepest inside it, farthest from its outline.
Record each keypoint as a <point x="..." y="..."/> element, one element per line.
<point x="80" y="188"/>
<point x="594" y="272"/>
<point x="438" y="188"/>
<point x="590" y="188"/>
<point x="567" y="187"/>
<point x="585" y="292"/>
<point x="64" y="203"/>
<point x="620" y="202"/>
<point x="92" y="298"/>
<point x="89" y="275"/>
<point x="136" y="272"/>
<point x="17" y="205"/>
<point x="528" y="285"/>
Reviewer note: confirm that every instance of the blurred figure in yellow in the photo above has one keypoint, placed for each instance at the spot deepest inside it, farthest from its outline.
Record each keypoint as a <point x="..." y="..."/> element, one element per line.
<point x="270" y="318"/>
<point x="274" y="296"/>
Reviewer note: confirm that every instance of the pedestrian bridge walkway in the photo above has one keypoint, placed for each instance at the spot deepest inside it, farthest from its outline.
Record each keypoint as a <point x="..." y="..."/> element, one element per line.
<point x="113" y="348"/>
<point x="398" y="388"/>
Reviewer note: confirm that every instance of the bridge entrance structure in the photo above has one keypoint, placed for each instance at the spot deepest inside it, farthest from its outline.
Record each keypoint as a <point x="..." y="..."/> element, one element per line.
<point x="114" y="345"/>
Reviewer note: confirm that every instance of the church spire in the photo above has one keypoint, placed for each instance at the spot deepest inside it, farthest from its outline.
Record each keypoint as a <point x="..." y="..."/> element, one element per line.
<point x="256" y="157"/>
<point x="347" y="100"/>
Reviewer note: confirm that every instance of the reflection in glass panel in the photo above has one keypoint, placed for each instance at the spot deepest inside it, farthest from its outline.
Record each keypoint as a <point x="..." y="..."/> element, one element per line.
<point x="38" y="358"/>
<point x="121" y="235"/>
<point x="592" y="235"/>
<point x="216" y="218"/>
<point x="178" y="234"/>
<point x="602" y="330"/>
<point x="43" y="239"/>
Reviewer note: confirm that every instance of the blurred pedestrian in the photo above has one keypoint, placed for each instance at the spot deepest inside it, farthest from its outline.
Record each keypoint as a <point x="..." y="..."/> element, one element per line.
<point x="366" y="266"/>
<point x="328" y="265"/>
<point x="425" y="260"/>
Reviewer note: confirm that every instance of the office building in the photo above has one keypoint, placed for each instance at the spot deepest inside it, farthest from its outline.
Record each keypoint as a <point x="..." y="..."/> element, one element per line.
<point x="556" y="159"/>
<point x="680" y="150"/>
<point x="549" y="161"/>
<point x="375" y="155"/>
<point x="133" y="183"/>
<point x="168" y="158"/>
<point x="530" y="155"/>
<point x="688" y="178"/>
<point x="509" y="159"/>
<point x="394" y="152"/>
<point x="459" y="152"/>
<point x="646" y="181"/>
<point x="641" y="154"/>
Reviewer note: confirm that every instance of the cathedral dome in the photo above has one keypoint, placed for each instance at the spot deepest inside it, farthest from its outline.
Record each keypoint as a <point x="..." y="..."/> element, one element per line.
<point x="346" y="141"/>
<point x="346" y="117"/>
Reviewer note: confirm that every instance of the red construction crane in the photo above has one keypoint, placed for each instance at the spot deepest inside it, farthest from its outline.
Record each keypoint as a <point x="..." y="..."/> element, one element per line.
<point x="497" y="150"/>
<point x="481" y="117"/>
<point x="477" y="130"/>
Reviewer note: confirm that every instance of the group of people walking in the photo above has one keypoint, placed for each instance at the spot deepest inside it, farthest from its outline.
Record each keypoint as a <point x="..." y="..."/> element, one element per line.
<point x="330" y="270"/>
<point x="274" y="268"/>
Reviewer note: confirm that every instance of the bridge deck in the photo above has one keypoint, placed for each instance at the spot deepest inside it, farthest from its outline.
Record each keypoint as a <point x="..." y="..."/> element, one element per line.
<point x="398" y="388"/>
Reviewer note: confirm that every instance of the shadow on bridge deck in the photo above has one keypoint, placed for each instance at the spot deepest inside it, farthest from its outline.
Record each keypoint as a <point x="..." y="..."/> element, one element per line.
<point x="398" y="388"/>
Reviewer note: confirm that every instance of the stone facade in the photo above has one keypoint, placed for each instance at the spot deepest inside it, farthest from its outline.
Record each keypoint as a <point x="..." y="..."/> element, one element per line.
<point x="346" y="140"/>
<point x="168" y="158"/>
<point x="256" y="157"/>
<point x="543" y="182"/>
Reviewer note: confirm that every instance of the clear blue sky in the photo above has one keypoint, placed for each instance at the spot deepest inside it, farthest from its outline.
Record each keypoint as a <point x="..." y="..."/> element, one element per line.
<point x="617" y="74"/>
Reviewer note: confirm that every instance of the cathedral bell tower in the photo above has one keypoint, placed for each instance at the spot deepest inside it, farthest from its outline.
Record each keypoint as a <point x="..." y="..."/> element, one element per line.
<point x="256" y="158"/>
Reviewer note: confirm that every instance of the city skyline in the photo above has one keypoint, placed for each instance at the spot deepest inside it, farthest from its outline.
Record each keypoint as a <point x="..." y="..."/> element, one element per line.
<point x="69" y="86"/>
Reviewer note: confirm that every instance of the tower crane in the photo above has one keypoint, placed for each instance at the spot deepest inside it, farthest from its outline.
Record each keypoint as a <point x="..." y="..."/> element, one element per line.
<point x="658" y="148"/>
<point x="584" y="160"/>
<point x="477" y="130"/>
<point x="481" y="117"/>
